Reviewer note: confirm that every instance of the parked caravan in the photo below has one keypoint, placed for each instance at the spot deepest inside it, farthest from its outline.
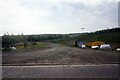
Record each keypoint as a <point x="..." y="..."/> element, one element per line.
<point x="105" y="47"/>
<point x="81" y="44"/>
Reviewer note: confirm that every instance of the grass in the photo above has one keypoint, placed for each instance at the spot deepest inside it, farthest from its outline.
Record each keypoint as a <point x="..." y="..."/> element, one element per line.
<point x="31" y="47"/>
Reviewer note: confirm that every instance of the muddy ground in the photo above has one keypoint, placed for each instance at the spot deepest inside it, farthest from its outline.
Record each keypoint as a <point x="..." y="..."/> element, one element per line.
<point x="59" y="54"/>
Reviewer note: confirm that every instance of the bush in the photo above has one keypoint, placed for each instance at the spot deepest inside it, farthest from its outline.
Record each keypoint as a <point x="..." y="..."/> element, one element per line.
<point x="96" y="43"/>
<point x="34" y="43"/>
<point x="7" y="49"/>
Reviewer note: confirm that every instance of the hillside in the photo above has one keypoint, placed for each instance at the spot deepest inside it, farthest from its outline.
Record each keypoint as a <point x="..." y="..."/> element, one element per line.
<point x="47" y="48"/>
<point x="110" y="36"/>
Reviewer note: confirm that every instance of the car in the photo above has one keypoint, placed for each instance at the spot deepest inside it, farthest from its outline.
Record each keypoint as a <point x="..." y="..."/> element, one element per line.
<point x="118" y="49"/>
<point x="95" y="47"/>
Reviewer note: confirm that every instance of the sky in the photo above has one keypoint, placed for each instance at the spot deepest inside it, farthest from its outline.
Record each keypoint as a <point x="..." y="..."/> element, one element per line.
<point x="57" y="16"/>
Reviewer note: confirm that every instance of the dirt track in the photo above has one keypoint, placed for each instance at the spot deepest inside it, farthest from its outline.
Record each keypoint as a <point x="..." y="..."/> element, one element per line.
<point x="59" y="54"/>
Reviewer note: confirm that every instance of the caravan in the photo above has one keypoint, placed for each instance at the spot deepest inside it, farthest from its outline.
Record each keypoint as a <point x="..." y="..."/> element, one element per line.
<point x="81" y="44"/>
<point x="105" y="47"/>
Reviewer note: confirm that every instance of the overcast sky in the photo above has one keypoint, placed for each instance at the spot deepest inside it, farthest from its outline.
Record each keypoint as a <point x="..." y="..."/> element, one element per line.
<point x="57" y="16"/>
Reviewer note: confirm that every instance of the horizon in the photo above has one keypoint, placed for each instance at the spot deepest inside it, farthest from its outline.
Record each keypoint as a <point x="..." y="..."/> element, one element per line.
<point x="57" y="17"/>
<point x="7" y="33"/>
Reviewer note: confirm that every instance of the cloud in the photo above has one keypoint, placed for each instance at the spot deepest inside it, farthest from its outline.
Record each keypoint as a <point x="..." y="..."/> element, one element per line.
<point x="55" y="16"/>
<point x="95" y="17"/>
<point x="15" y="16"/>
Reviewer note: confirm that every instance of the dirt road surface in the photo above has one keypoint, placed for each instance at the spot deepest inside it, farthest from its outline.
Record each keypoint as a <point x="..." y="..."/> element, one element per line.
<point x="59" y="54"/>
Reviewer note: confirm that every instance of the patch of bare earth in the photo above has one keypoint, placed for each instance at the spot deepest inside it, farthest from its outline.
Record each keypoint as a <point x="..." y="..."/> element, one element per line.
<point x="59" y="54"/>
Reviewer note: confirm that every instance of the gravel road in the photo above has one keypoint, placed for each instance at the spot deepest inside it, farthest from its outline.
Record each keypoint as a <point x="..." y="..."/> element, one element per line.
<point x="59" y="54"/>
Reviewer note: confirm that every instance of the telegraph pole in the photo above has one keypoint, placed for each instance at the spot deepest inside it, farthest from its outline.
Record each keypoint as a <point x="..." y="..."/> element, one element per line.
<point x="82" y="30"/>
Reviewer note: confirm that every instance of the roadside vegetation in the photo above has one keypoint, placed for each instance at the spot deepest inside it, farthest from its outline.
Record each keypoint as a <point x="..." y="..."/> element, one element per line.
<point x="60" y="48"/>
<point x="110" y="36"/>
<point x="30" y="46"/>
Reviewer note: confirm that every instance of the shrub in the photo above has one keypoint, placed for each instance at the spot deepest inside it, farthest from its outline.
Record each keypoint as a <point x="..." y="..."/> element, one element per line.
<point x="96" y="43"/>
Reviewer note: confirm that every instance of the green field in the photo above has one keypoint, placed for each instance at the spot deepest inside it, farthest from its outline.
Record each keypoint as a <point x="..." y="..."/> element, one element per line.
<point x="109" y="36"/>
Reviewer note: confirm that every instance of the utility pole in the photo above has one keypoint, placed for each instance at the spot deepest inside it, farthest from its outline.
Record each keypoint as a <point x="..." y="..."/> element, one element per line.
<point x="82" y="30"/>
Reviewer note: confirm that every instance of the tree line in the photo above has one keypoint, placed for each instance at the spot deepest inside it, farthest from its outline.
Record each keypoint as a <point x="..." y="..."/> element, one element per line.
<point x="107" y="35"/>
